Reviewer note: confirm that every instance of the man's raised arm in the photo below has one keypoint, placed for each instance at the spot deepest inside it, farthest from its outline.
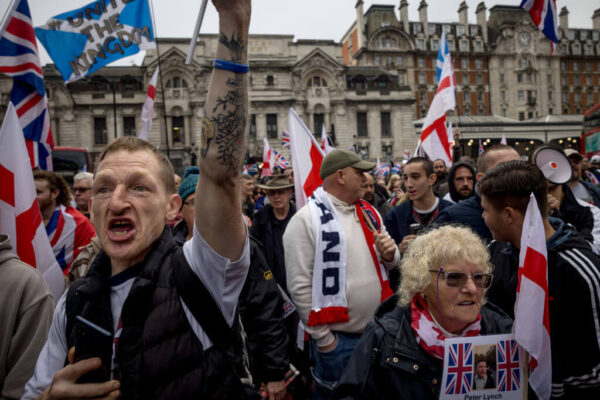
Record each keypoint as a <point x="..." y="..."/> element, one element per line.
<point x="218" y="208"/>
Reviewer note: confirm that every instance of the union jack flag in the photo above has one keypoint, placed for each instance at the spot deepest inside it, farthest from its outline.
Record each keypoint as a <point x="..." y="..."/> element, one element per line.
<point x="19" y="58"/>
<point x="509" y="374"/>
<point x="481" y="148"/>
<point x="543" y="14"/>
<point x="285" y="139"/>
<point x="280" y="161"/>
<point x="460" y="368"/>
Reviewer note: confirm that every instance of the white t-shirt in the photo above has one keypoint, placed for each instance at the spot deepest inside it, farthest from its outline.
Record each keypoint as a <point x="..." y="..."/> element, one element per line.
<point x="223" y="278"/>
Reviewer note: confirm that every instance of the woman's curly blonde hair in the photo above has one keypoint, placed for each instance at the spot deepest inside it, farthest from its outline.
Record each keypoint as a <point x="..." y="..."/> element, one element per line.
<point x="441" y="246"/>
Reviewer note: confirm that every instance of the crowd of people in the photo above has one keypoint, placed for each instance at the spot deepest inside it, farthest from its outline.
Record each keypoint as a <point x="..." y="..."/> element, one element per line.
<point x="215" y="285"/>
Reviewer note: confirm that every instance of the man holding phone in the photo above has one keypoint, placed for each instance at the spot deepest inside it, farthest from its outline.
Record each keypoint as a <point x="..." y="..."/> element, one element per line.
<point x="159" y="349"/>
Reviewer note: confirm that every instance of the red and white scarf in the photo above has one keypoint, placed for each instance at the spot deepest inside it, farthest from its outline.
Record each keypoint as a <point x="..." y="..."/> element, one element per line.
<point x="427" y="332"/>
<point x="329" y="304"/>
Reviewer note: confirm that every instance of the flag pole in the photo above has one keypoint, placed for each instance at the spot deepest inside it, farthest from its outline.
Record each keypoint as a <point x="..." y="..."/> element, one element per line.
<point x="190" y="54"/>
<point x="160" y="73"/>
<point x="9" y="10"/>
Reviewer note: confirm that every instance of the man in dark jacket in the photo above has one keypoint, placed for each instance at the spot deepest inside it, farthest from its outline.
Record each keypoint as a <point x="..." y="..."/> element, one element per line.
<point x="374" y="198"/>
<point x="573" y="275"/>
<point x="582" y="189"/>
<point x="262" y="312"/>
<point x="440" y="187"/>
<point x="468" y="212"/>
<point x="461" y="182"/>
<point x="164" y="351"/>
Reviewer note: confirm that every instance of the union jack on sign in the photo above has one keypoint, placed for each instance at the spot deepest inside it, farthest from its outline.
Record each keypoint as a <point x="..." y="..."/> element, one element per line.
<point x="509" y="374"/>
<point x="460" y="368"/>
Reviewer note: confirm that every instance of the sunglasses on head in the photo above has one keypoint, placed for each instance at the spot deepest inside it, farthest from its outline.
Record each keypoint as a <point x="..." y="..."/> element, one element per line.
<point x="482" y="280"/>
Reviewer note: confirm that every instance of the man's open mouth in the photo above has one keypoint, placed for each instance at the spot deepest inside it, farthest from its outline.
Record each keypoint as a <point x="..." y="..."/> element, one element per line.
<point x="121" y="228"/>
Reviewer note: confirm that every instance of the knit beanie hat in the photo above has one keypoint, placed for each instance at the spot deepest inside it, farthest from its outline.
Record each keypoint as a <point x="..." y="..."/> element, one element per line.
<point x="188" y="186"/>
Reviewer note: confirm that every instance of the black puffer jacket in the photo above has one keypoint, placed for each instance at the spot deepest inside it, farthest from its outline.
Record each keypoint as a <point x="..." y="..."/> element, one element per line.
<point x="159" y="356"/>
<point x="574" y="301"/>
<point x="388" y="363"/>
<point x="261" y="309"/>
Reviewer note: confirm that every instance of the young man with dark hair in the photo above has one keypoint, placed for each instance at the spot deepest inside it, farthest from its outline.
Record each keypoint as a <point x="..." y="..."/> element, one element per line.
<point x="68" y="229"/>
<point x="422" y="207"/>
<point x="468" y="212"/>
<point x="573" y="275"/>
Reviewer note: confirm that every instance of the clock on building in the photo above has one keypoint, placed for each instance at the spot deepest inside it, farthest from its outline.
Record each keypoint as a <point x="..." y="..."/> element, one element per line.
<point x="524" y="38"/>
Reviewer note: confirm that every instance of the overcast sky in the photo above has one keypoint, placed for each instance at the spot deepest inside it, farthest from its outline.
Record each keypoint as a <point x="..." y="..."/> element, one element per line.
<point x="305" y="19"/>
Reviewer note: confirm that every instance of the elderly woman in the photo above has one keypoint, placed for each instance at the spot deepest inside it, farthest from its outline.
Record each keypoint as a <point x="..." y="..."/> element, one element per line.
<point x="445" y="274"/>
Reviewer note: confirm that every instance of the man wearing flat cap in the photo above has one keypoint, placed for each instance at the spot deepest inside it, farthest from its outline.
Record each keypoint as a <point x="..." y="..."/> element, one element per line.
<point x="337" y="253"/>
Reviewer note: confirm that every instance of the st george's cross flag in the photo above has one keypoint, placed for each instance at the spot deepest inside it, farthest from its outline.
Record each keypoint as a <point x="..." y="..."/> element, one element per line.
<point x="268" y="161"/>
<point x="307" y="157"/>
<point x="20" y="215"/>
<point x="324" y="142"/>
<point x="532" y="317"/>
<point x="84" y="40"/>
<point x="434" y="137"/>
<point x="148" y="107"/>
<point x="19" y="59"/>
<point x="543" y="13"/>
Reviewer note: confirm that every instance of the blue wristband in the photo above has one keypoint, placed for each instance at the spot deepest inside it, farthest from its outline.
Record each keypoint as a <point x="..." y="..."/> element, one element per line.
<point x="231" y="66"/>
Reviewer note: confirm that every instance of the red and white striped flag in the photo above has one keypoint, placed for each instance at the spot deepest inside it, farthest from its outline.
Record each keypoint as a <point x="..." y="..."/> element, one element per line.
<point x="148" y="107"/>
<point x="307" y="157"/>
<point x="20" y="215"/>
<point x="324" y="142"/>
<point x="268" y="160"/>
<point x="532" y="317"/>
<point x="434" y="137"/>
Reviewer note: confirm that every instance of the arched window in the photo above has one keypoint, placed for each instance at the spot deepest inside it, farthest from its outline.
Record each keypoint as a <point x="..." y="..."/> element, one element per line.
<point x="317" y="81"/>
<point x="176" y="83"/>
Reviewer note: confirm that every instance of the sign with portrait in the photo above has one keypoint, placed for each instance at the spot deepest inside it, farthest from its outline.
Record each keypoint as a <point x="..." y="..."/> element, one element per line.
<point x="483" y="368"/>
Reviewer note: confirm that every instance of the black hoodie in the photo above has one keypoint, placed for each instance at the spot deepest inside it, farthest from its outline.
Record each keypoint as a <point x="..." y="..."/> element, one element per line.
<point x="454" y="195"/>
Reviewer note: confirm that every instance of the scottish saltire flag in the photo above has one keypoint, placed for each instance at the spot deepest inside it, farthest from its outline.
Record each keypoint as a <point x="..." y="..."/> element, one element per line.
<point x="86" y="39"/>
<point x="285" y="139"/>
<point x="460" y="368"/>
<point x="509" y="374"/>
<point x="19" y="59"/>
<point x="543" y="14"/>
<point x="20" y="215"/>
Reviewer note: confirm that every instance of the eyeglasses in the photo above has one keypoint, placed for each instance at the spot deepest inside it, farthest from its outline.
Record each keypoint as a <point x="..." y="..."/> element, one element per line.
<point x="482" y="280"/>
<point x="81" y="189"/>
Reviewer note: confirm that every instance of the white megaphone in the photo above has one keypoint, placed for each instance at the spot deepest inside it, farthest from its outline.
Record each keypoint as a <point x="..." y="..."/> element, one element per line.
<point x="554" y="164"/>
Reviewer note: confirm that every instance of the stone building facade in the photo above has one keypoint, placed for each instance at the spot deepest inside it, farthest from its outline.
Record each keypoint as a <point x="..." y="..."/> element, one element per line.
<point x="503" y="64"/>
<point x="366" y="90"/>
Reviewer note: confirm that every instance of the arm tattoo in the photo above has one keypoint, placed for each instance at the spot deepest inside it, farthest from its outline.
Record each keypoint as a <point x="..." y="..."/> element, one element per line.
<point x="226" y="123"/>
